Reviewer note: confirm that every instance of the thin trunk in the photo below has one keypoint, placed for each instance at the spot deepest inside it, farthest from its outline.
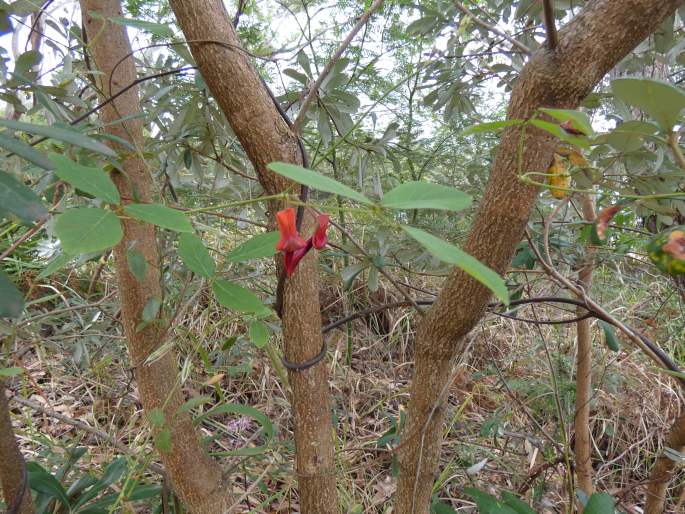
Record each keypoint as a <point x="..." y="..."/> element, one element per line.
<point x="266" y="137"/>
<point x="589" y="46"/>
<point x="12" y="465"/>
<point x="196" y="478"/>
<point x="583" y="444"/>
<point x="664" y="469"/>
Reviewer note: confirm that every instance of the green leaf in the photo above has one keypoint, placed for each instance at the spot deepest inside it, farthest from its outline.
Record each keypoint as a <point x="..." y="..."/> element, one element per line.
<point x="18" y="200"/>
<point x="610" y="336"/>
<point x="43" y="482"/>
<point x="259" y="334"/>
<point x="490" y="126"/>
<point x="515" y="503"/>
<point x="11" y="300"/>
<point x="65" y="134"/>
<point x="488" y="504"/>
<point x="600" y="503"/>
<point x="54" y="265"/>
<point x="25" y="151"/>
<point x="661" y="100"/>
<point x="439" y="507"/>
<point x="579" y="120"/>
<point x="10" y="372"/>
<point x="93" y="181"/>
<point x="156" y="417"/>
<point x="315" y="180"/>
<point x="557" y="131"/>
<point x="261" y="245"/>
<point x="151" y="309"/>
<point x="163" y="440"/>
<point x="243" y="410"/>
<point x="85" y="230"/>
<point x="631" y="135"/>
<point x="449" y="253"/>
<point x="189" y="405"/>
<point x="158" y="29"/>
<point x="159" y="215"/>
<point x="237" y="298"/>
<point x="424" y="195"/>
<point x="137" y="264"/>
<point x="195" y="256"/>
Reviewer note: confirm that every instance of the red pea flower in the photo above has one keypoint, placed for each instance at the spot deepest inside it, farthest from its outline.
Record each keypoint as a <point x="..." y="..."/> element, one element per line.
<point x="290" y="239"/>
<point x="292" y="245"/>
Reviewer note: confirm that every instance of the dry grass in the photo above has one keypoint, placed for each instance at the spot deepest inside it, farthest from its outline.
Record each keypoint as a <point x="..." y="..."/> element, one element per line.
<point x="502" y="404"/>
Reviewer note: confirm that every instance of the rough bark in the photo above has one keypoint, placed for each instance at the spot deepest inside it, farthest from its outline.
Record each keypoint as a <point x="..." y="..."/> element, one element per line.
<point x="583" y="444"/>
<point x="12" y="464"/>
<point x="196" y="478"/>
<point x="664" y="469"/>
<point x="589" y="46"/>
<point x="265" y="136"/>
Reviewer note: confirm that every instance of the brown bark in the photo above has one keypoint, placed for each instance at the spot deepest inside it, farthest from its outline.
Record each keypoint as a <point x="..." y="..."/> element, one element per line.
<point x="196" y="478"/>
<point x="265" y="136"/>
<point x="664" y="469"/>
<point x="583" y="444"/>
<point x="12" y="463"/>
<point x="589" y="46"/>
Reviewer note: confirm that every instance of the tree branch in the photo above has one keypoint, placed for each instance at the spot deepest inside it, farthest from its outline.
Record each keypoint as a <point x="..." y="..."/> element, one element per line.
<point x="550" y="24"/>
<point x="314" y="89"/>
<point x="491" y="28"/>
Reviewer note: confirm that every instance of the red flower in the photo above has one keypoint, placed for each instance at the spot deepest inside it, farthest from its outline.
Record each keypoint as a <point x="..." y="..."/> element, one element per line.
<point x="290" y="239"/>
<point x="292" y="245"/>
<point x="319" y="239"/>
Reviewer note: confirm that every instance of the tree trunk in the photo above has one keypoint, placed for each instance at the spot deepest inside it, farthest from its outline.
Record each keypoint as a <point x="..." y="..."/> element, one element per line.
<point x="583" y="444"/>
<point x="12" y="465"/>
<point x="266" y="137"/>
<point x="196" y="477"/>
<point x="589" y="46"/>
<point x="664" y="469"/>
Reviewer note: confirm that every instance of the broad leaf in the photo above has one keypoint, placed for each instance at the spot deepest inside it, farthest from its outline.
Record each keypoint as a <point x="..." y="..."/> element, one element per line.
<point x="25" y="151"/>
<point x="610" y="336"/>
<point x="93" y="181"/>
<point x="259" y="334"/>
<point x="65" y="134"/>
<point x="195" y="256"/>
<point x="661" y="100"/>
<point x="557" y="131"/>
<point x="137" y="264"/>
<point x="159" y="215"/>
<point x="11" y="300"/>
<point x="315" y="180"/>
<point x="237" y="298"/>
<point x="18" y="200"/>
<point x="449" y="253"/>
<point x="424" y="195"/>
<point x="630" y="136"/>
<point x="600" y="503"/>
<point x="86" y="230"/>
<point x="42" y="481"/>
<point x="261" y="245"/>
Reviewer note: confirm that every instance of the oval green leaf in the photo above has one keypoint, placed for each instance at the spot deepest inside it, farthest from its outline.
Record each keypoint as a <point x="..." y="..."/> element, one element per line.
<point x="237" y="298"/>
<point x="11" y="300"/>
<point x="195" y="256"/>
<point x="578" y="119"/>
<point x="160" y="215"/>
<point x="259" y="334"/>
<point x="424" y="195"/>
<point x="18" y="200"/>
<point x="261" y="245"/>
<point x="93" y="181"/>
<point x="315" y="180"/>
<point x="449" y="253"/>
<point x="662" y="101"/>
<point x="610" y="336"/>
<point x="86" y="230"/>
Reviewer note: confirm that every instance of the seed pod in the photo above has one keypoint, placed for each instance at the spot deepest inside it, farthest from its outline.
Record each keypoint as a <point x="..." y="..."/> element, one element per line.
<point x="558" y="177"/>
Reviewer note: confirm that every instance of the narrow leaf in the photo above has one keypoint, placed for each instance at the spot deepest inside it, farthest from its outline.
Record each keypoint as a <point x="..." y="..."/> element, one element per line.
<point x="137" y="264"/>
<point x="315" y="180"/>
<point x="424" y="195"/>
<point x="25" y="151"/>
<point x="579" y="119"/>
<point x="237" y="298"/>
<point x="157" y="29"/>
<point x="18" y="200"/>
<point x="449" y="253"/>
<point x="159" y="215"/>
<point x="490" y="126"/>
<point x="610" y="336"/>
<point x="65" y="134"/>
